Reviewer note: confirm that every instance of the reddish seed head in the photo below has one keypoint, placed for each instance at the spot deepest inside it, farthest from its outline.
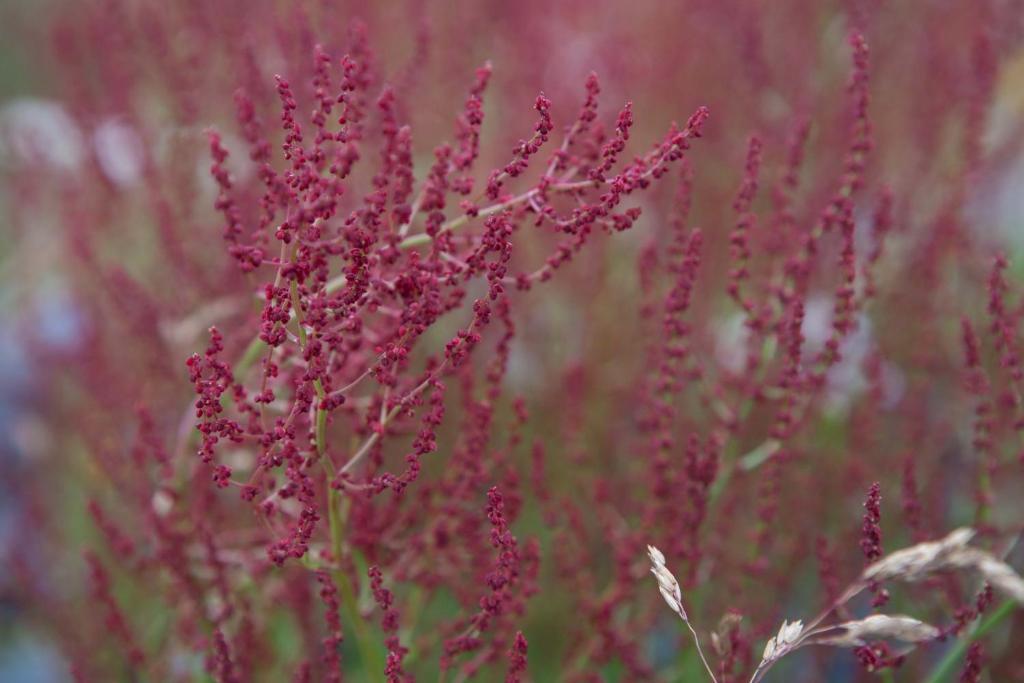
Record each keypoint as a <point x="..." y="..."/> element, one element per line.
<point x="974" y="664"/>
<point x="516" y="659"/>
<point x="871" y="531"/>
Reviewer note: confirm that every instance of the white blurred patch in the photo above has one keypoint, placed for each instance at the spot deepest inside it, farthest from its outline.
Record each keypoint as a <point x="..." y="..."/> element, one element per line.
<point x="119" y="152"/>
<point x="999" y="202"/>
<point x="239" y="459"/>
<point x="846" y="379"/>
<point x="894" y="386"/>
<point x="817" y="325"/>
<point x="31" y="437"/>
<point x="731" y="339"/>
<point x="162" y="502"/>
<point x="57" y="319"/>
<point x="38" y="131"/>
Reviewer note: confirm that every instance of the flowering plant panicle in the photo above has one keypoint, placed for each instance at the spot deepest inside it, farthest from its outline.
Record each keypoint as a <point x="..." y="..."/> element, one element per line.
<point x="394" y="356"/>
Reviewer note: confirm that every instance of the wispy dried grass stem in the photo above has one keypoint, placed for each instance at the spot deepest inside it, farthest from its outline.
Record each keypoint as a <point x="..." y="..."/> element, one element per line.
<point x="669" y="587"/>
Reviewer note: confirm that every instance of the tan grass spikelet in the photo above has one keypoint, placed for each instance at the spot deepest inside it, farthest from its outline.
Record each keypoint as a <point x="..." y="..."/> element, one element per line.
<point x="879" y="627"/>
<point x="909" y="564"/>
<point x="784" y="641"/>
<point x="667" y="583"/>
<point x="918" y="561"/>
<point x="673" y="595"/>
<point x="1000" y="575"/>
<point x="952" y="552"/>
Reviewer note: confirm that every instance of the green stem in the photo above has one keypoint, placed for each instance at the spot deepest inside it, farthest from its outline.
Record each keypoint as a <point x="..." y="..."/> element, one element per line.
<point x="369" y="652"/>
<point x="321" y="420"/>
<point x="952" y="659"/>
<point x="413" y="610"/>
<point x="297" y="307"/>
<point x="731" y="459"/>
<point x="252" y="352"/>
<point x="367" y="649"/>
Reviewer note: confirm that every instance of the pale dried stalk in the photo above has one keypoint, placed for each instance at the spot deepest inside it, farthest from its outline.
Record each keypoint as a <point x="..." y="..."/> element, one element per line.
<point x="918" y="561"/>
<point x="784" y="641"/>
<point x="952" y="552"/>
<point x="909" y="564"/>
<point x="670" y="590"/>
<point x="792" y="636"/>
<point x="877" y="627"/>
<point x="993" y="570"/>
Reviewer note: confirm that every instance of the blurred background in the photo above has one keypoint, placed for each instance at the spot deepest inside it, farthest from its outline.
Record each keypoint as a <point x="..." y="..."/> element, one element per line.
<point x="107" y="212"/>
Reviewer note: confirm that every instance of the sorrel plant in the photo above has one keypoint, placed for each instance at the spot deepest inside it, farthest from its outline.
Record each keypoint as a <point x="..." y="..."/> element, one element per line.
<point x="409" y="336"/>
